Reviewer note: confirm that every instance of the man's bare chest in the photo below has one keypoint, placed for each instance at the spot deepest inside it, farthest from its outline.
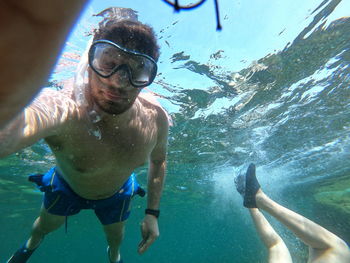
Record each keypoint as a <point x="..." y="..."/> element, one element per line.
<point x="113" y="149"/>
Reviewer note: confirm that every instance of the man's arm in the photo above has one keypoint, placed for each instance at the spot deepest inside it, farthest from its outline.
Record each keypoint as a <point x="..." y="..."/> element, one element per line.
<point x="42" y="118"/>
<point x="32" y="35"/>
<point x="156" y="178"/>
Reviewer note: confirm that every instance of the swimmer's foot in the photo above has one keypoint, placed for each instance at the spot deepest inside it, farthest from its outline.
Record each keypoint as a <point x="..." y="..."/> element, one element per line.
<point x="109" y="257"/>
<point x="21" y="255"/>
<point x="248" y="186"/>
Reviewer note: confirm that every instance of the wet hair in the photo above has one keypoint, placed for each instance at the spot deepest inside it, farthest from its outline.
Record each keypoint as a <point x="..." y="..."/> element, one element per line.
<point x="130" y="34"/>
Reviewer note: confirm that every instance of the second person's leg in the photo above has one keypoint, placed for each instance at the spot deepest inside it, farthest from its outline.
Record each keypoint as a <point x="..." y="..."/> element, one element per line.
<point x="277" y="249"/>
<point x="322" y="243"/>
<point x="324" y="246"/>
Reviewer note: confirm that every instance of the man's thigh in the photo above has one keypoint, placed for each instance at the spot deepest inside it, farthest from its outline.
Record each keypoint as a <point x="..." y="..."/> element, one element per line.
<point x="49" y="222"/>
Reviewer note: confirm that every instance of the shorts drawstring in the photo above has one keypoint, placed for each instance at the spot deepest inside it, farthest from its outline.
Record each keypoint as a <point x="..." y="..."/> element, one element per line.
<point x="66" y="217"/>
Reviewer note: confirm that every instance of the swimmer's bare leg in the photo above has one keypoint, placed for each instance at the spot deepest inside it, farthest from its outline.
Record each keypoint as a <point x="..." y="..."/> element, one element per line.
<point x="248" y="186"/>
<point x="277" y="249"/>
<point x="322" y="243"/>
<point x="324" y="246"/>
<point x="114" y="235"/>
<point x="43" y="225"/>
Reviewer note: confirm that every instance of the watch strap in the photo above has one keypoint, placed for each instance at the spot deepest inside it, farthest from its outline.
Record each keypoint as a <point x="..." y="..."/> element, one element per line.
<point x="152" y="212"/>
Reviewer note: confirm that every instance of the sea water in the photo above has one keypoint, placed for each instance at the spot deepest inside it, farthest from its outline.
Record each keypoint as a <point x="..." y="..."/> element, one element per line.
<point x="286" y="109"/>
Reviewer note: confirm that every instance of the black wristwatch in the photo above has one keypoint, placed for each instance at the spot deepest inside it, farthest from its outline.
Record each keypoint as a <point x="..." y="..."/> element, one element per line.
<point x="152" y="212"/>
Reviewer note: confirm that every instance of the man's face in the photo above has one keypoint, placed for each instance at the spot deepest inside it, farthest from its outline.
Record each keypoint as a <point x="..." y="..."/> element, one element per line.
<point x="117" y="74"/>
<point x="113" y="95"/>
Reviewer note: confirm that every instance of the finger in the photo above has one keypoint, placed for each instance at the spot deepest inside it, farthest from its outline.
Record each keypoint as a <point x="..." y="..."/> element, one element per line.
<point x="144" y="237"/>
<point x="146" y="244"/>
<point x="143" y="241"/>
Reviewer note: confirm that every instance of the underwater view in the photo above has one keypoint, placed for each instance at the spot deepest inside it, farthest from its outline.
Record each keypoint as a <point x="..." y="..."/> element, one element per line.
<point x="272" y="87"/>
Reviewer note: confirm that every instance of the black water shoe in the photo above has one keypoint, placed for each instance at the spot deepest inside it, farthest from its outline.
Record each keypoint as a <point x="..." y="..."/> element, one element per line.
<point x="21" y="255"/>
<point x="251" y="187"/>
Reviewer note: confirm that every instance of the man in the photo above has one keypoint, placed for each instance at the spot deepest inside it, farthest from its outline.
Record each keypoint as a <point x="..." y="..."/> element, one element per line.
<point x="32" y="35"/>
<point x="95" y="171"/>
<point x="324" y="246"/>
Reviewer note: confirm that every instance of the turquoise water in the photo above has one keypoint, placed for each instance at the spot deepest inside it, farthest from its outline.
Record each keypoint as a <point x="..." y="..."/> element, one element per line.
<point x="288" y="111"/>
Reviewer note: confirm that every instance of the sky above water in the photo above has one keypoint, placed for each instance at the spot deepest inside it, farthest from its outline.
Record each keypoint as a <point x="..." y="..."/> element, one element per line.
<point x="251" y="28"/>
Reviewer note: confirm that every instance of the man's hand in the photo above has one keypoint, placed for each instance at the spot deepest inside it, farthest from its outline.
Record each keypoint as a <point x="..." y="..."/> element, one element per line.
<point x="28" y="56"/>
<point x="149" y="232"/>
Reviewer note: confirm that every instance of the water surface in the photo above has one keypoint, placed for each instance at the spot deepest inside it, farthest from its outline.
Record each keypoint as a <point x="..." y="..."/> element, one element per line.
<point x="273" y="90"/>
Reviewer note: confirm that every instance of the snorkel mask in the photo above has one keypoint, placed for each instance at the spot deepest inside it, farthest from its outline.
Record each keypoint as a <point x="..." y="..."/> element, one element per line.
<point x="140" y="68"/>
<point x="106" y="58"/>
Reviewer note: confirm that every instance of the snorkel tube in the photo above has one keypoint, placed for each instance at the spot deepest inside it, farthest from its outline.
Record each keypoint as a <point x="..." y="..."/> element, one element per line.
<point x="80" y="78"/>
<point x="80" y="85"/>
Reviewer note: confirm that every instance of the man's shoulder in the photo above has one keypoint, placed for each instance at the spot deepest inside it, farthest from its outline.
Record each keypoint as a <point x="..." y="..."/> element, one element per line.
<point x="66" y="91"/>
<point x="64" y="94"/>
<point x="149" y="100"/>
<point x="54" y="101"/>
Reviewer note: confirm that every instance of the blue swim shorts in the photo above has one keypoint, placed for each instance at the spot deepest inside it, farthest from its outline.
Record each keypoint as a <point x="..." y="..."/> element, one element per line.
<point x="60" y="199"/>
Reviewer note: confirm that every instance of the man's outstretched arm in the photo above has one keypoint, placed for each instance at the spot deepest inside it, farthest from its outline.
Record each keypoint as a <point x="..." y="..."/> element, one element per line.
<point x="32" y="35"/>
<point x="156" y="179"/>
<point x="42" y="118"/>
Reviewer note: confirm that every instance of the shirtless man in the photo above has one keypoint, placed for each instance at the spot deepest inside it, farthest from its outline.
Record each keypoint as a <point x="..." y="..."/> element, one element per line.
<point x="32" y="35"/>
<point x="324" y="246"/>
<point x="96" y="172"/>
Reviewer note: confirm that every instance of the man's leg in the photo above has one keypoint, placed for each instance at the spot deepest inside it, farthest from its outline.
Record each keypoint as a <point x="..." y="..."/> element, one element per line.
<point x="114" y="235"/>
<point x="278" y="251"/>
<point x="43" y="225"/>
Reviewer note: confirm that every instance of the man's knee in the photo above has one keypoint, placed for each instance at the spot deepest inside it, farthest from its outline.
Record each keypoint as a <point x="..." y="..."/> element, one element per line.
<point x="279" y="253"/>
<point x="114" y="231"/>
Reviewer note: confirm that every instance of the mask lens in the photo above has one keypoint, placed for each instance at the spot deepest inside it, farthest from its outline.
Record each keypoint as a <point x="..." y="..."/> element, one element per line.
<point x="143" y="70"/>
<point x="104" y="59"/>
